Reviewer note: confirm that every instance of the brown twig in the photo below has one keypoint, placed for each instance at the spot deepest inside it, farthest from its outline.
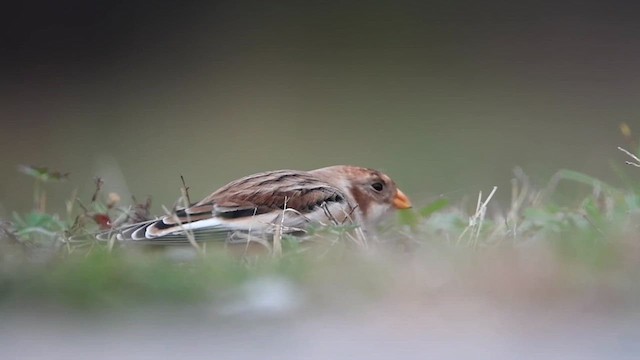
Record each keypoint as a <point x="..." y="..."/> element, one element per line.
<point x="185" y="190"/>
<point x="328" y="213"/>
<point x="99" y="182"/>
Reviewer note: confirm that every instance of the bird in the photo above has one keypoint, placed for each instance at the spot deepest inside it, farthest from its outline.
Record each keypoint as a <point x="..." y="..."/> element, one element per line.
<point x="285" y="201"/>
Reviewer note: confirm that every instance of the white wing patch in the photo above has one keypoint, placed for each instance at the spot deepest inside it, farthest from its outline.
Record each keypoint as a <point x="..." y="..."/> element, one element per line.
<point x="288" y="220"/>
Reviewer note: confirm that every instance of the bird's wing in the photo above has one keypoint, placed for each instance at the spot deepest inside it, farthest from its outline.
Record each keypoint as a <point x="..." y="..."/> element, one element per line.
<point x="254" y="204"/>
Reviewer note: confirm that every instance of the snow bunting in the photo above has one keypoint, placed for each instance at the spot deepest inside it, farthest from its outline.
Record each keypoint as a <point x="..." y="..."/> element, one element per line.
<point x="287" y="200"/>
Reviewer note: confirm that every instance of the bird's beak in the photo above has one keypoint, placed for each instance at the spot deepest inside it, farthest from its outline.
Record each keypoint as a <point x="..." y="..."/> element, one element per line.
<point x="401" y="201"/>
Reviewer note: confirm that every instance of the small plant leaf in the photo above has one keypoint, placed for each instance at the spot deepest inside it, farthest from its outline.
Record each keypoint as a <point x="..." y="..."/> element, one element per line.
<point x="408" y="217"/>
<point x="579" y="177"/>
<point x="43" y="173"/>
<point x="434" y="207"/>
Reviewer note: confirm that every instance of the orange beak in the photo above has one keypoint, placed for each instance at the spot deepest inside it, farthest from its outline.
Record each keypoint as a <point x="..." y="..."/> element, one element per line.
<point x="401" y="201"/>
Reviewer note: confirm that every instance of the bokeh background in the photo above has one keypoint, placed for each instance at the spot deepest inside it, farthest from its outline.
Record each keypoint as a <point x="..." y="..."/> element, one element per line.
<point x="446" y="96"/>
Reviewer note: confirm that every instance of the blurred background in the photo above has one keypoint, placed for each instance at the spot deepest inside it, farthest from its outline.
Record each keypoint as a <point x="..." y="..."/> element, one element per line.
<point x="447" y="97"/>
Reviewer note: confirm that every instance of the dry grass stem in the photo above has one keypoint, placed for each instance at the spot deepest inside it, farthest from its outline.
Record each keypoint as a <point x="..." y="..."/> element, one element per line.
<point x="476" y="220"/>
<point x="634" y="157"/>
<point x="188" y="233"/>
<point x="277" y="235"/>
<point x="185" y="190"/>
<point x="249" y="238"/>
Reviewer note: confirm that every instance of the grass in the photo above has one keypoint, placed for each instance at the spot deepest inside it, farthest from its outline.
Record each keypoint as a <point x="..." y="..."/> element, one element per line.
<point x="542" y="248"/>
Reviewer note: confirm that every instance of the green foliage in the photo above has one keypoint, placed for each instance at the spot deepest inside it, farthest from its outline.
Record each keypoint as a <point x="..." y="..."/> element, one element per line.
<point x="35" y="221"/>
<point x="114" y="279"/>
<point x="38" y="229"/>
<point x="413" y="218"/>
<point x="43" y="174"/>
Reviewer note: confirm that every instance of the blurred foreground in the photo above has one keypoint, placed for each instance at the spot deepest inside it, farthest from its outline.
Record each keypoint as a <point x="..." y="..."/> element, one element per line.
<point x="459" y="328"/>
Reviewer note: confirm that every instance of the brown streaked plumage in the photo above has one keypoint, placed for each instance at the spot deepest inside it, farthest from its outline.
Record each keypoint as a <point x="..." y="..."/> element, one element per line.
<point x="255" y="204"/>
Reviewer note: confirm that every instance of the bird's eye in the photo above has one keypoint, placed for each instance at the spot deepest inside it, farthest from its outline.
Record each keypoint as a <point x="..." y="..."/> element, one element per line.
<point x="377" y="186"/>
